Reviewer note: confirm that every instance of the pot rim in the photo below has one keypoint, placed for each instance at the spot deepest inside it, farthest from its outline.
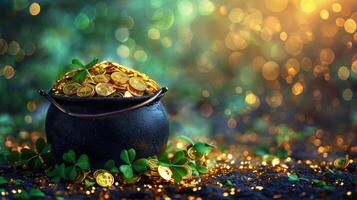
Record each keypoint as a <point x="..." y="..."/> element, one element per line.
<point x="101" y="99"/>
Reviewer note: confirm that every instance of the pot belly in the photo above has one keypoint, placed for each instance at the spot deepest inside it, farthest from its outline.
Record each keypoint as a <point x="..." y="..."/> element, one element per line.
<point x="145" y="129"/>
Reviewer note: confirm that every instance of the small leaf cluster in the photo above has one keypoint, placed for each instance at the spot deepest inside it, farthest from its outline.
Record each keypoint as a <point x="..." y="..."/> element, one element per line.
<point x="32" y="158"/>
<point x="321" y="183"/>
<point x="187" y="161"/>
<point x="131" y="168"/>
<point x="81" y="75"/>
<point x="70" y="169"/>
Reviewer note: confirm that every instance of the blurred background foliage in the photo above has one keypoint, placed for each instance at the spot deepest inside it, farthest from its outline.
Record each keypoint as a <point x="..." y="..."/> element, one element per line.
<point x="231" y="66"/>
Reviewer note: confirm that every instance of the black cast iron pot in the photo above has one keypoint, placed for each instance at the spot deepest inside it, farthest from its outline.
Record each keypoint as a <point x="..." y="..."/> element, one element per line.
<point x="102" y="127"/>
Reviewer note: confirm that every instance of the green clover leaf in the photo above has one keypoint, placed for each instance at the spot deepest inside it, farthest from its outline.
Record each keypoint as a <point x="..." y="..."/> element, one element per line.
<point x="179" y="158"/>
<point x="82" y="74"/>
<point x="110" y="165"/>
<point x="83" y="162"/>
<point x="127" y="171"/>
<point x="178" y="172"/>
<point x="70" y="157"/>
<point x="71" y="173"/>
<point x="140" y="165"/>
<point x="125" y="156"/>
<point x="203" y="148"/>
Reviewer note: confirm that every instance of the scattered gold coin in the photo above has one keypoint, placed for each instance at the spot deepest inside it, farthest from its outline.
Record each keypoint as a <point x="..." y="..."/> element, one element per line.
<point x="191" y="152"/>
<point x="98" y="171"/>
<point x="165" y="172"/>
<point x="104" y="179"/>
<point x="153" y="164"/>
<point x="341" y="163"/>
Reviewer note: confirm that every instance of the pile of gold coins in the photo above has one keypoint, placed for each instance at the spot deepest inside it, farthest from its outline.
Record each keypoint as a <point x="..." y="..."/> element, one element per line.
<point x="106" y="79"/>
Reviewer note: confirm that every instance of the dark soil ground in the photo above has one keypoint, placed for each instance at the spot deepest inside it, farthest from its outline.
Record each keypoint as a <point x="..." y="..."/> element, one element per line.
<point x="259" y="182"/>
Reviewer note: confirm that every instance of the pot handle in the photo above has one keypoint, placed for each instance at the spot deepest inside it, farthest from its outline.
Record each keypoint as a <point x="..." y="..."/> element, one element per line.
<point x="106" y="114"/>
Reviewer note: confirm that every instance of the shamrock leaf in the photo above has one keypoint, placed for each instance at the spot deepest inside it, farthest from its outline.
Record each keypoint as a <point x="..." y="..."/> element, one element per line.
<point x="91" y="63"/>
<point x="27" y="154"/>
<point x="193" y="167"/>
<point x="42" y="147"/>
<point x="80" y="76"/>
<point x="140" y="165"/>
<point x="71" y="173"/>
<point x="57" y="172"/>
<point x="77" y="63"/>
<point x="203" y="148"/>
<point x="110" y="165"/>
<point x="83" y="162"/>
<point x="31" y="158"/>
<point x="131" y="154"/>
<point x="179" y="158"/>
<point x="70" y="157"/>
<point x="88" y="183"/>
<point x="201" y="168"/>
<point x="125" y="156"/>
<point x="178" y="172"/>
<point x="127" y="171"/>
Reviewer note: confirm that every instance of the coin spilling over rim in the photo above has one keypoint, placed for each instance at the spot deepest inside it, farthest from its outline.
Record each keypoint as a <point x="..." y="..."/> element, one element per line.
<point x="105" y="79"/>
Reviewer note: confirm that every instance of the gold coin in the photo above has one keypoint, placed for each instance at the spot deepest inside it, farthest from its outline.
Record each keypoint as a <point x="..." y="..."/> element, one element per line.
<point x="71" y="73"/>
<point x="134" y="92"/>
<point x="120" y="87"/>
<point x="191" y="152"/>
<point x="119" y="77"/>
<point x="71" y="88"/>
<point x="165" y="172"/>
<point x="86" y="90"/>
<point x="137" y="83"/>
<point x="101" y="78"/>
<point x="341" y="163"/>
<point x="104" y="89"/>
<point x="98" y="171"/>
<point x="127" y="94"/>
<point x="189" y="172"/>
<point x="104" y="179"/>
<point x="152" y="84"/>
<point x="89" y="81"/>
<point x="97" y="70"/>
<point x="153" y="164"/>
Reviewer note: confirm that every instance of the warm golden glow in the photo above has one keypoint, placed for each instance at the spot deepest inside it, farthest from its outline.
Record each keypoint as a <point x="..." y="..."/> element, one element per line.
<point x="297" y="88"/>
<point x="276" y="5"/>
<point x="308" y="6"/>
<point x="324" y="14"/>
<point x="350" y="25"/>
<point x="271" y="70"/>
<point x="34" y="9"/>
